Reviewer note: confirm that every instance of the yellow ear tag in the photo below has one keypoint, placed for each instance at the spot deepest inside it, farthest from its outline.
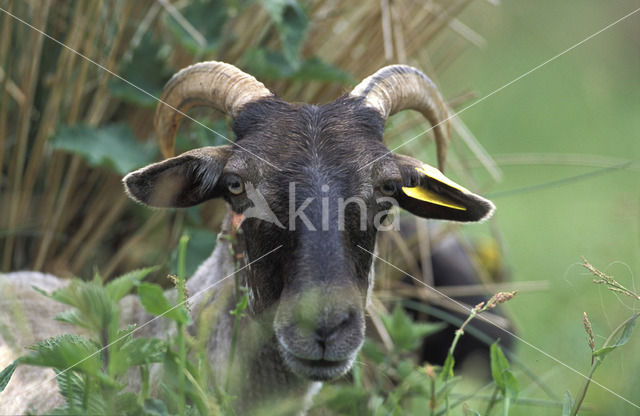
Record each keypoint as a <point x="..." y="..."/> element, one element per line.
<point x="434" y="173"/>
<point x="426" y="195"/>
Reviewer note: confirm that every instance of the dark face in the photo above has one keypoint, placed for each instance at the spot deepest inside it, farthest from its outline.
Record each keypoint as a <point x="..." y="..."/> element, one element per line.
<point x="326" y="209"/>
<point x="318" y="182"/>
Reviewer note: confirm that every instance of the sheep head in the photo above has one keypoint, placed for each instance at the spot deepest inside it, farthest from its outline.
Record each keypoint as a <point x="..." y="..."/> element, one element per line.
<point x="317" y="181"/>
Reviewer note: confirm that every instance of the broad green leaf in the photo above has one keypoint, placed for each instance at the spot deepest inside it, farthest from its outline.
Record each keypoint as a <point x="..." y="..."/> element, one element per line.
<point x="120" y="286"/>
<point x="155" y="302"/>
<point x="6" y="373"/>
<point x="72" y="317"/>
<point x="65" y="352"/>
<point x="627" y="329"/>
<point x="112" y="146"/>
<point x="499" y="365"/>
<point x="567" y="403"/>
<point x="208" y="18"/>
<point x="95" y="311"/>
<point x="292" y="24"/>
<point x="146" y="70"/>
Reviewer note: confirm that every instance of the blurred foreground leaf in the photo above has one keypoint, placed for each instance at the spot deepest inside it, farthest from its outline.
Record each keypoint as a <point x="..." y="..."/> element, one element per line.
<point x="406" y="334"/>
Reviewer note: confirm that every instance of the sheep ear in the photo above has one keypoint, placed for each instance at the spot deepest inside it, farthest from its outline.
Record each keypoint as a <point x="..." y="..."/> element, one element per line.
<point x="426" y="192"/>
<point x="181" y="181"/>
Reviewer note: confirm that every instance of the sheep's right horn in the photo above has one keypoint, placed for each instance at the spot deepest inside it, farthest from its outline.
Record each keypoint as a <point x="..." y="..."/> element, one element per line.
<point x="400" y="87"/>
<point x="213" y="84"/>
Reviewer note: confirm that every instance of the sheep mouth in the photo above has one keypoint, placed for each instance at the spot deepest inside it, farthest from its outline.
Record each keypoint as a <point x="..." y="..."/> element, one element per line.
<point x="317" y="370"/>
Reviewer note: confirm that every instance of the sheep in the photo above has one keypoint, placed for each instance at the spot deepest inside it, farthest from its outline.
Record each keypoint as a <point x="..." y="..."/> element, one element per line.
<point x="307" y="187"/>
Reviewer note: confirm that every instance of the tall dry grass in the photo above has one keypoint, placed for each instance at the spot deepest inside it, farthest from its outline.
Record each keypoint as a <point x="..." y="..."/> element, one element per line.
<point x="65" y="216"/>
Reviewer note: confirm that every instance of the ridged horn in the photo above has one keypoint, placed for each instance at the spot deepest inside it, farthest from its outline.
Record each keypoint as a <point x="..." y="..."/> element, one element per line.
<point x="212" y="84"/>
<point x="400" y="87"/>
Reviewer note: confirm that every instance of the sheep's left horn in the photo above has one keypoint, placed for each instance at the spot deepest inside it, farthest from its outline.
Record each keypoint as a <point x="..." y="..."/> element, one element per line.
<point x="400" y="87"/>
<point x="213" y="84"/>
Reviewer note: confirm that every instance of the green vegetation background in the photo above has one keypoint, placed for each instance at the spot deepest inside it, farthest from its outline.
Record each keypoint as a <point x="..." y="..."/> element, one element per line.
<point x="586" y="102"/>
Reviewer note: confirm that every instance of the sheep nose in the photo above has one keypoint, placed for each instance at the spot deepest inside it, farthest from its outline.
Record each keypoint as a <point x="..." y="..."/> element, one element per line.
<point x="327" y="333"/>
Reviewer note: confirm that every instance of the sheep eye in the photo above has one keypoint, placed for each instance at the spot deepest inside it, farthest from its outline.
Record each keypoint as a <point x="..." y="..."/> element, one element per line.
<point x="235" y="185"/>
<point x="388" y="188"/>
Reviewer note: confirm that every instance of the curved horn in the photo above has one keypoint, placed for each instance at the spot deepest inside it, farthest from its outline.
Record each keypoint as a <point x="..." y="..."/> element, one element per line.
<point x="400" y="87"/>
<point x="213" y="84"/>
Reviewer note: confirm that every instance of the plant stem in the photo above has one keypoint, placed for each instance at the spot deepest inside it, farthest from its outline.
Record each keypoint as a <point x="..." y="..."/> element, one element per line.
<point x="182" y="350"/>
<point x="596" y="364"/>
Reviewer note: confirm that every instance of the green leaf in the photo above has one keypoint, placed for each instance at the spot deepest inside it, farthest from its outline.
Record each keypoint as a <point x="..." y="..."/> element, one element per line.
<point x="112" y="146"/>
<point x="345" y="399"/>
<point x="155" y="407"/>
<point x="138" y="351"/>
<point x="315" y="69"/>
<point x="567" y="403"/>
<point x="372" y="351"/>
<point x="208" y="18"/>
<point x="499" y="365"/>
<point x="267" y="64"/>
<point x="447" y="368"/>
<point x="95" y="311"/>
<point x="155" y="302"/>
<point x="292" y="24"/>
<point x="6" y="373"/>
<point x="127" y="404"/>
<point x="404" y="368"/>
<point x="406" y="334"/>
<point x="445" y="388"/>
<point x="627" y="329"/>
<point x="512" y="388"/>
<point x="72" y="317"/>
<point x="120" y="286"/>
<point x="146" y="70"/>
<point x="65" y="351"/>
